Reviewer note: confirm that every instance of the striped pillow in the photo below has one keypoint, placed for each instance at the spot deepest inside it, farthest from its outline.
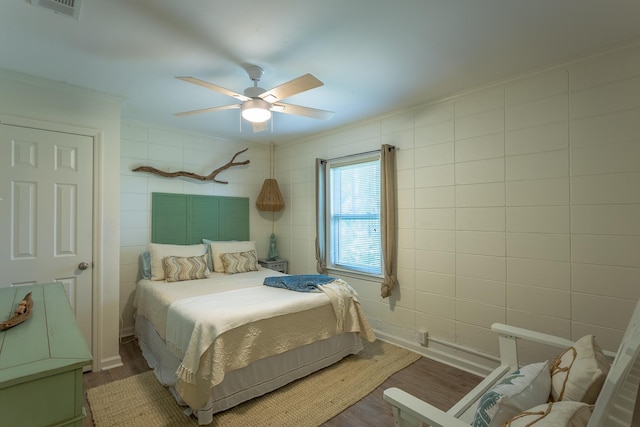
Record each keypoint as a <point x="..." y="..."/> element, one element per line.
<point x="177" y="269"/>
<point x="239" y="262"/>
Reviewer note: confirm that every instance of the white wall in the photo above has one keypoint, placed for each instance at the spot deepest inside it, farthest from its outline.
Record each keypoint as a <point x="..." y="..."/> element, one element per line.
<point x="170" y="149"/>
<point x="43" y="101"/>
<point x="518" y="202"/>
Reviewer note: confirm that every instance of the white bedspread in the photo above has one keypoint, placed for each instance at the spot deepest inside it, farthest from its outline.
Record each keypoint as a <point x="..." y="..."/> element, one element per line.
<point x="226" y="322"/>
<point x="194" y="323"/>
<point x="153" y="298"/>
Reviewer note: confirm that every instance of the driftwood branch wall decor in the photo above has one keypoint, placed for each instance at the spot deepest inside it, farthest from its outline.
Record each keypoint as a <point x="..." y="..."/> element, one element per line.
<point x="210" y="177"/>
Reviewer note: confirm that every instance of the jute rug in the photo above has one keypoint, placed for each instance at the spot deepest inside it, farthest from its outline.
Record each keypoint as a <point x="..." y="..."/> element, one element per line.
<point x="141" y="400"/>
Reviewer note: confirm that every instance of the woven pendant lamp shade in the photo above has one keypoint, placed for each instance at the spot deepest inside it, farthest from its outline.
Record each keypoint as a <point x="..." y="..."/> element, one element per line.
<point x="270" y="198"/>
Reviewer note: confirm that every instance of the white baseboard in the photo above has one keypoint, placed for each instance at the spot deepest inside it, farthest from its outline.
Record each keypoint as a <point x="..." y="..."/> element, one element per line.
<point x="126" y="332"/>
<point x="457" y="361"/>
<point x="110" y="363"/>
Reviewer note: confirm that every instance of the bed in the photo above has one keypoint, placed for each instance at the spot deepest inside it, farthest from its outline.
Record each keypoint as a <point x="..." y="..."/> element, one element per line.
<point x="222" y="337"/>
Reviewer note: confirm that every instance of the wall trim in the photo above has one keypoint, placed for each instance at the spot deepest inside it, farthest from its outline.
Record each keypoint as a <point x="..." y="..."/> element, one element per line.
<point x="439" y="356"/>
<point x="111" y="362"/>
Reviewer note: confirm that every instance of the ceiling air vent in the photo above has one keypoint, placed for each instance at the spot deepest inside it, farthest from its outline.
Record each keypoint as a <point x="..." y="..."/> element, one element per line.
<point x="63" y="7"/>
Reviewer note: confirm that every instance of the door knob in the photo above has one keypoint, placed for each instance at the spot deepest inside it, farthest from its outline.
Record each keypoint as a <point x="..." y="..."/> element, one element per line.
<point x="83" y="265"/>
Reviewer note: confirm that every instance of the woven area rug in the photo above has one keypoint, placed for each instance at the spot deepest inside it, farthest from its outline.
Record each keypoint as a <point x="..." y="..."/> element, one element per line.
<point x="141" y="400"/>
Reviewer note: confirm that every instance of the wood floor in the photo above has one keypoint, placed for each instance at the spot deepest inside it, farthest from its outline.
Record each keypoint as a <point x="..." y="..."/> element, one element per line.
<point x="434" y="382"/>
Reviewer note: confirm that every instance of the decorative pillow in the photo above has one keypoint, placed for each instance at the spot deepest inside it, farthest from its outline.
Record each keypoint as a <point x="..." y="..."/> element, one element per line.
<point x="178" y="269"/>
<point x="524" y="388"/>
<point x="207" y="243"/>
<point x="145" y="265"/>
<point x="578" y="373"/>
<point x="159" y="251"/>
<point x="567" y="413"/>
<point x="219" y="248"/>
<point x="239" y="262"/>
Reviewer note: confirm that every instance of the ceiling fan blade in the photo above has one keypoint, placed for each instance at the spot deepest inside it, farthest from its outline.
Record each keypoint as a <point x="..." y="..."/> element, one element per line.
<point x="208" y="110"/>
<point x="211" y="86"/>
<point x="260" y="127"/>
<point x="298" y="110"/>
<point x="290" y="88"/>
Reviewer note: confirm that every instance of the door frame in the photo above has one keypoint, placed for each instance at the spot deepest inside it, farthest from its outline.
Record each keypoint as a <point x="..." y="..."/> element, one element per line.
<point x="96" y="272"/>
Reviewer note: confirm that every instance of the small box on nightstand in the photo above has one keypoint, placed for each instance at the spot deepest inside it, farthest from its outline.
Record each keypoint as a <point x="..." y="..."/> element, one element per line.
<point x="278" y="264"/>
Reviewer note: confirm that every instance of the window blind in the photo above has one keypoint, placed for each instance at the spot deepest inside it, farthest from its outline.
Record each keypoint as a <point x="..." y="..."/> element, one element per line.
<point x="354" y="215"/>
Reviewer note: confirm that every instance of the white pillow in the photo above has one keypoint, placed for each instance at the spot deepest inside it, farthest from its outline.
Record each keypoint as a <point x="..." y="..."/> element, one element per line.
<point x="219" y="248"/>
<point x="158" y="251"/>
<point x="566" y="414"/>
<point x="578" y="373"/>
<point x="527" y="387"/>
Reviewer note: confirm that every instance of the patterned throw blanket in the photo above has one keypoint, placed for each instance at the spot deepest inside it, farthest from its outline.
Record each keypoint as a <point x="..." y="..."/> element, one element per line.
<point x="300" y="282"/>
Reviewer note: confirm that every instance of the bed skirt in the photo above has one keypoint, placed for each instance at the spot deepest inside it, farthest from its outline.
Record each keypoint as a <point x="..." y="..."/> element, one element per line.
<point x="243" y="384"/>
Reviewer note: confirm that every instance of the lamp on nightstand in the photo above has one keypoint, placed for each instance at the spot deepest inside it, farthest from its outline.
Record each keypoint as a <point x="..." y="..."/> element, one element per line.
<point x="270" y="200"/>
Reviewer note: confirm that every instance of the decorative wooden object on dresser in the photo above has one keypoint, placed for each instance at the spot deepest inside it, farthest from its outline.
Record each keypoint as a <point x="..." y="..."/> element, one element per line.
<point x="41" y="360"/>
<point x="278" y="264"/>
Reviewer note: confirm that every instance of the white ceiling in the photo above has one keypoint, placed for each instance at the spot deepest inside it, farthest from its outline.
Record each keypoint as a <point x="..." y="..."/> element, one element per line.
<point x="373" y="56"/>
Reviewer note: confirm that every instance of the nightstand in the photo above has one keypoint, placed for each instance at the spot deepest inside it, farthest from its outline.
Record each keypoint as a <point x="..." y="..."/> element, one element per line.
<point x="278" y="264"/>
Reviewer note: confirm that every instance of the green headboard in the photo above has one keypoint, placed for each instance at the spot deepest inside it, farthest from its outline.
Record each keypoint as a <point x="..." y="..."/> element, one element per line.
<point x="183" y="219"/>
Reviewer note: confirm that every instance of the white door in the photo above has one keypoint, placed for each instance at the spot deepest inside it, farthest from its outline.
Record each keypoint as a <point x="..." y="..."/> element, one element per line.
<point x="46" y="213"/>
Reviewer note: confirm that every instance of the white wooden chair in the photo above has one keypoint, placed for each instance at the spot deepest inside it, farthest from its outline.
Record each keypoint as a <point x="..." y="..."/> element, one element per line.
<point x="613" y="408"/>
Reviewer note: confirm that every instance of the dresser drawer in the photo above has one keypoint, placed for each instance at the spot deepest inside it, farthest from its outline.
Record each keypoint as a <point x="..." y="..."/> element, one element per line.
<point x="279" y="266"/>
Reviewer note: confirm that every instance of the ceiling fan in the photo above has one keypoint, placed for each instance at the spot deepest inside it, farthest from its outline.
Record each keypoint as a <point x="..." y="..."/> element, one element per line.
<point x="258" y="103"/>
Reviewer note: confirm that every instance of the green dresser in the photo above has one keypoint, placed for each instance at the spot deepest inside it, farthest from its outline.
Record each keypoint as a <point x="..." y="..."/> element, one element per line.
<point x="41" y="360"/>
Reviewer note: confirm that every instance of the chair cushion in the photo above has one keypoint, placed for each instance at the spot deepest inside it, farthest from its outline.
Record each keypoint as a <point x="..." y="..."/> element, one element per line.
<point x="566" y="413"/>
<point x="578" y="373"/>
<point x="525" y="388"/>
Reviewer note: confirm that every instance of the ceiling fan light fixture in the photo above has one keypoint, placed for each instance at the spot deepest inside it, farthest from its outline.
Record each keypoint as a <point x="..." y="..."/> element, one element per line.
<point x="257" y="105"/>
<point x="256" y="110"/>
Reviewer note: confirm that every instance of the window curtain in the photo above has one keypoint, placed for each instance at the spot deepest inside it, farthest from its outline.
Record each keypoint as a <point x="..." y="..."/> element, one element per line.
<point x="321" y="244"/>
<point x="388" y="218"/>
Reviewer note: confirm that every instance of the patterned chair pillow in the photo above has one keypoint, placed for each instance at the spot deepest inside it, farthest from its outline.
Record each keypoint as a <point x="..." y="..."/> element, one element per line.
<point x="178" y="269"/>
<point x="578" y="373"/>
<point x="525" y="388"/>
<point x="239" y="262"/>
<point x="559" y="414"/>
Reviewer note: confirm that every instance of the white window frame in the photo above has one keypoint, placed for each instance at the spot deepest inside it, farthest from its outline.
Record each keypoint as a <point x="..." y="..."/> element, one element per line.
<point x="330" y="244"/>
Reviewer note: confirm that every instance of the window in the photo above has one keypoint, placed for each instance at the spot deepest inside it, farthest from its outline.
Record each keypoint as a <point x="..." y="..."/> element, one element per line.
<point x="353" y="215"/>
